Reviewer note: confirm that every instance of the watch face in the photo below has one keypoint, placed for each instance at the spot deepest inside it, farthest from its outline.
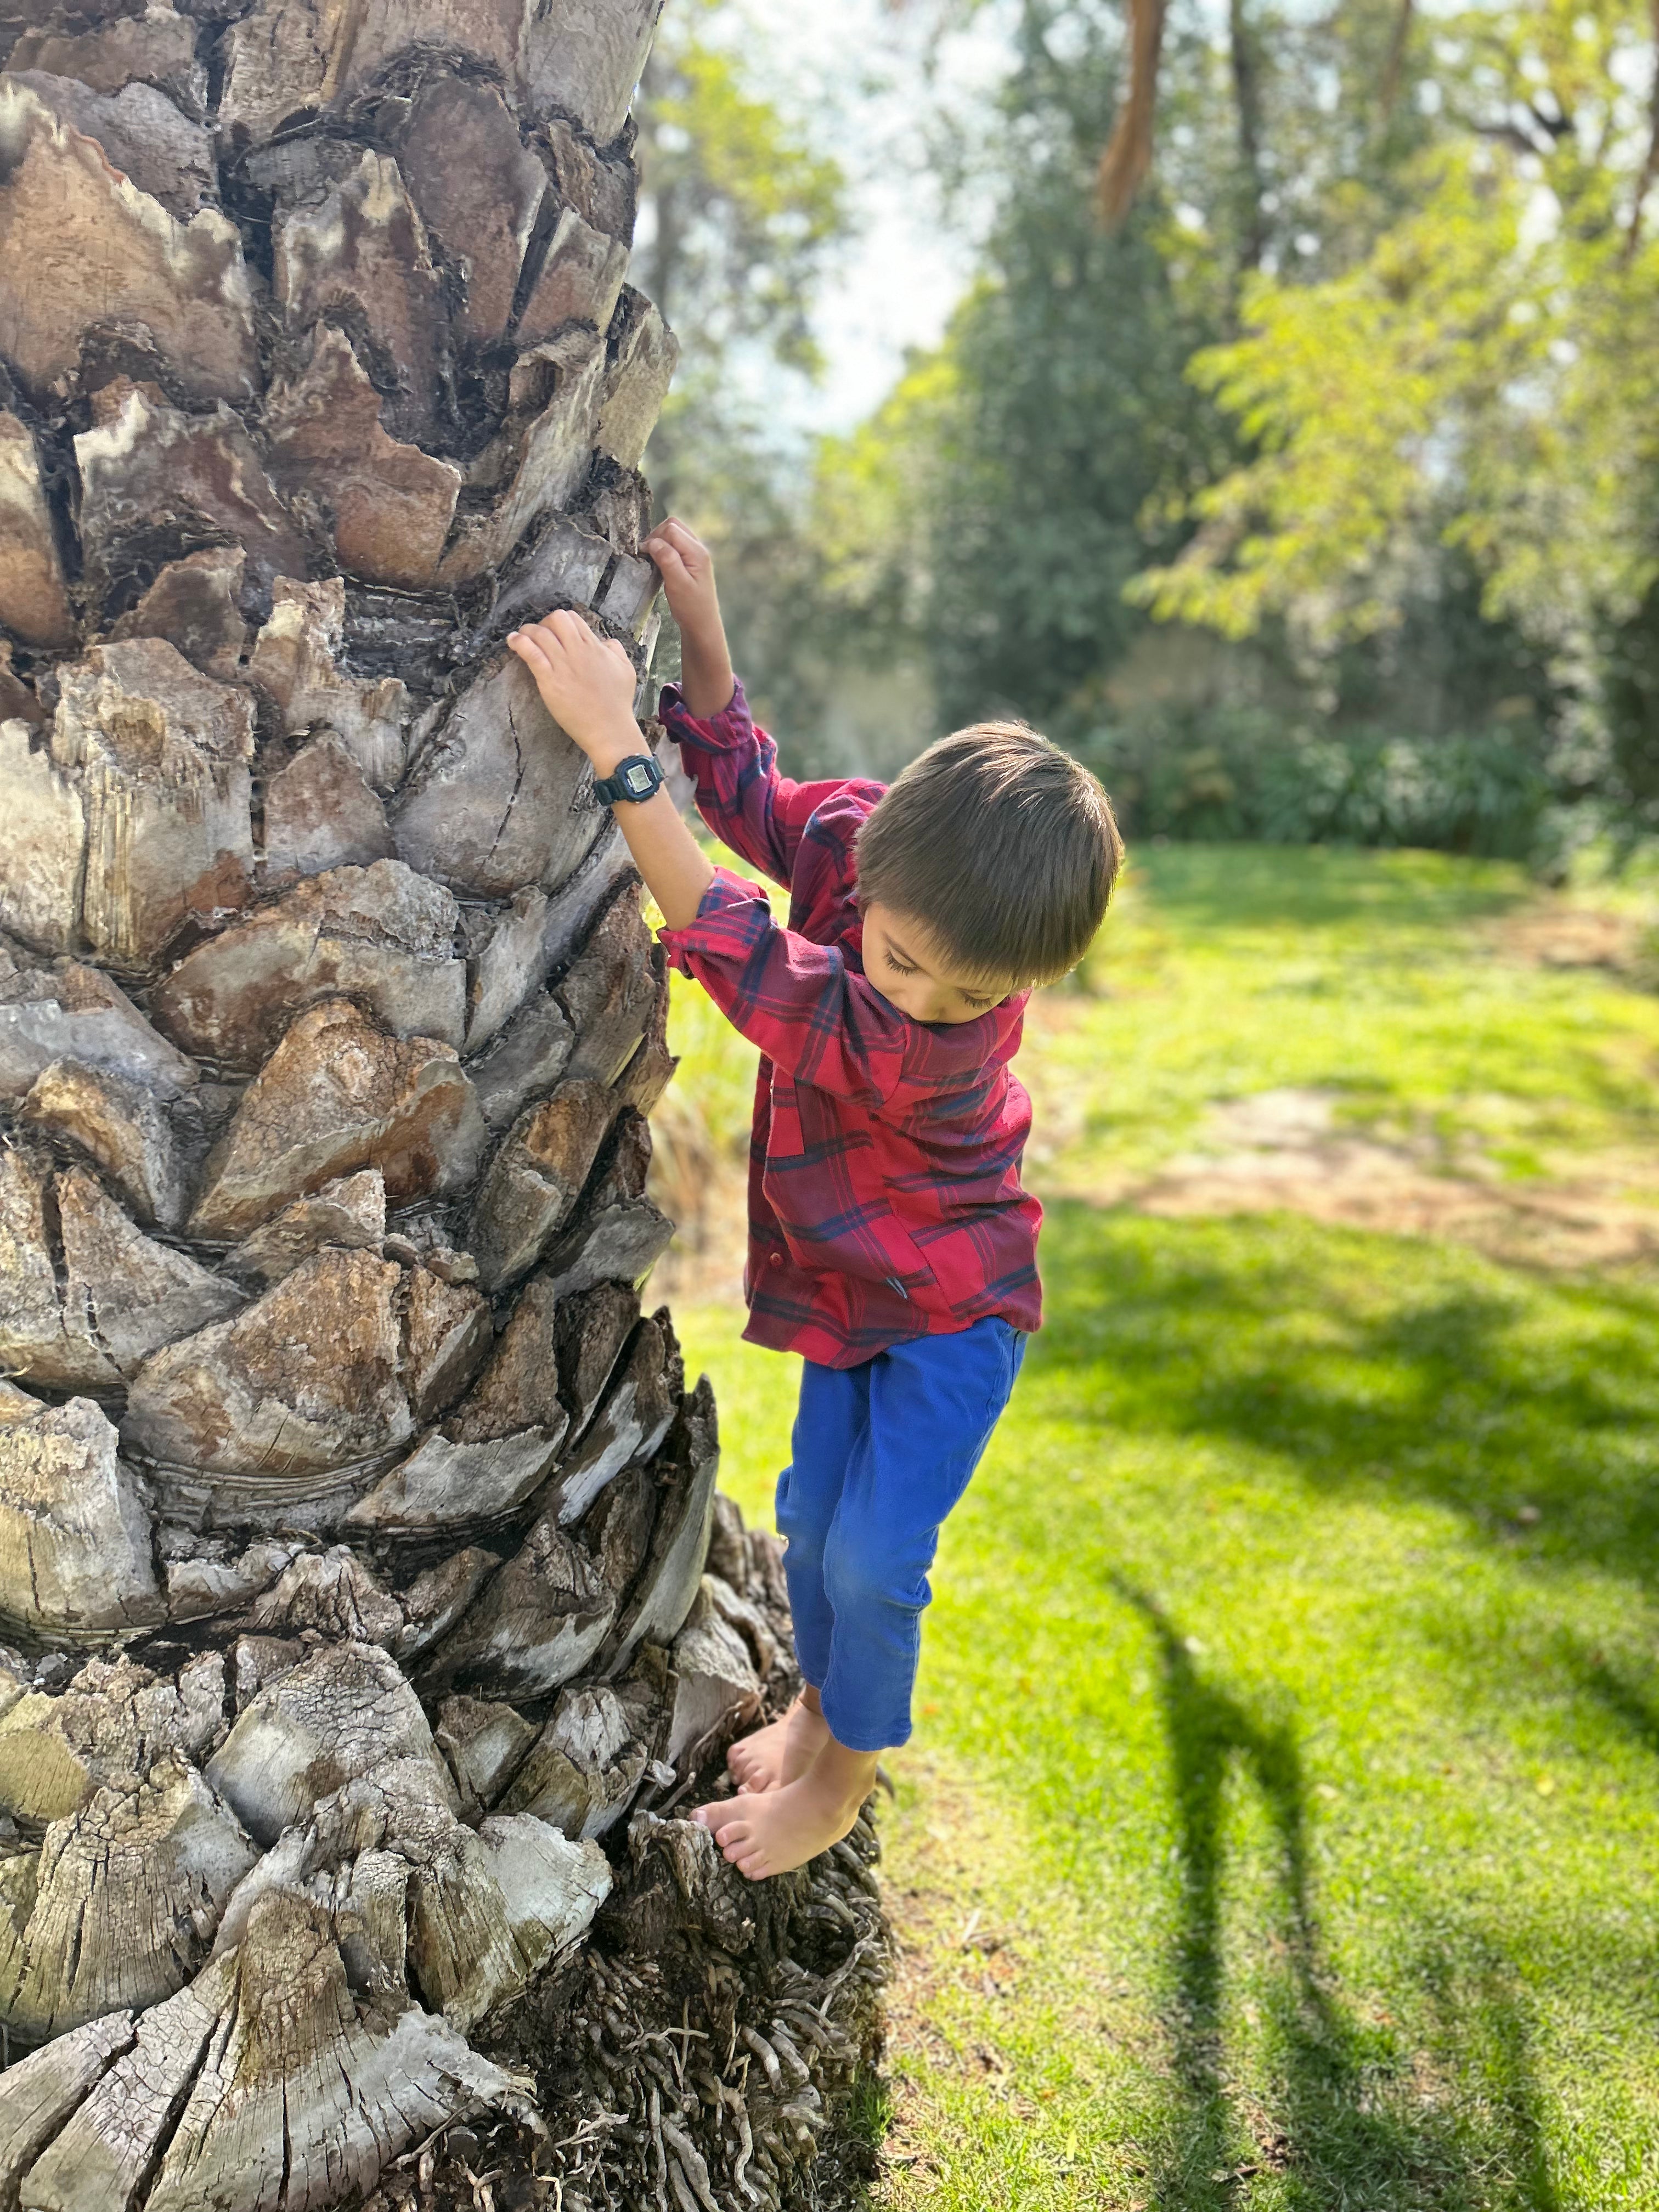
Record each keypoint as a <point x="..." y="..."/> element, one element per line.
<point x="638" y="778"/>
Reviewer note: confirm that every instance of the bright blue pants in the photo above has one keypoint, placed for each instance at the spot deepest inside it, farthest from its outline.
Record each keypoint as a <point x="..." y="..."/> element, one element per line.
<point x="881" y="1453"/>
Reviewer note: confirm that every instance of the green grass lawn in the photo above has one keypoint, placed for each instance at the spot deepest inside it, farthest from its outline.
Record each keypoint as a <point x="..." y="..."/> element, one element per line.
<point x="1381" y="977"/>
<point x="1278" y="1827"/>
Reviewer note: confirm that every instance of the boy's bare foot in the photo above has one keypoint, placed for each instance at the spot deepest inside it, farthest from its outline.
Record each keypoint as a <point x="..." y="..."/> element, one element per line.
<point x="774" y="1831"/>
<point x="780" y="1752"/>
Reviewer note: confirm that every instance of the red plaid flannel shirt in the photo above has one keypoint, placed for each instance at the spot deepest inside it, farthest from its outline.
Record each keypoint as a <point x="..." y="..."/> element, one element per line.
<point x="884" y="1200"/>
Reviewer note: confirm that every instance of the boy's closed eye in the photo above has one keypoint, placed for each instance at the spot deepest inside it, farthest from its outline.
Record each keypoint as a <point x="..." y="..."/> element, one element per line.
<point x="979" y="1000"/>
<point x="909" y="970"/>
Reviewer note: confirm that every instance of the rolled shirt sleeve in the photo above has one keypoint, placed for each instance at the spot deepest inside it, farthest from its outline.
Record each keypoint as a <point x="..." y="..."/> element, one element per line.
<point x="760" y="814"/>
<point x="811" y="1014"/>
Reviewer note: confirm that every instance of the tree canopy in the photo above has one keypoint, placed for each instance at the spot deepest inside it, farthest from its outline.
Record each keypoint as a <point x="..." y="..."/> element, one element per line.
<point x="1359" y="391"/>
<point x="738" y="208"/>
<point x="1484" y="372"/>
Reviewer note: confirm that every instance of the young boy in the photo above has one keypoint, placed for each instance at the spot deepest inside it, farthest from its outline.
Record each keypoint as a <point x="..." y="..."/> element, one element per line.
<point x="891" y="1243"/>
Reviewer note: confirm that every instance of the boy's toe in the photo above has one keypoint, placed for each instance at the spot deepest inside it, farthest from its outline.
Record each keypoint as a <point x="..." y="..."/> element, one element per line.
<point x="717" y="1818"/>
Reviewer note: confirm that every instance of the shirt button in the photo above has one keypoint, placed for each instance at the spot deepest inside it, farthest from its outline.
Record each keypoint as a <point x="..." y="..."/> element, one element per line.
<point x="777" y="1259"/>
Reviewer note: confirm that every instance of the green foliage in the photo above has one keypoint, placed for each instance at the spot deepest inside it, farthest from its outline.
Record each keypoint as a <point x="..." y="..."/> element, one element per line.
<point x="1248" y="773"/>
<point x="742" y="205"/>
<point x="1629" y="659"/>
<point x="996" y="516"/>
<point x="1277" y="1835"/>
<point x="742" y="209"/>
<point x="1064" y="369"/>
<point x="989" y="510"/>
<point x="1483" y="377"/>
<point x="1367" y="387"/>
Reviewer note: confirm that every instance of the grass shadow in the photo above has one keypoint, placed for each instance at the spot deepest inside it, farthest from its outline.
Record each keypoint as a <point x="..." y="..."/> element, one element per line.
<point x="1367" y="1362"/>
<point x="1486" y="2028"/>
<point x="1346" y="2130"/>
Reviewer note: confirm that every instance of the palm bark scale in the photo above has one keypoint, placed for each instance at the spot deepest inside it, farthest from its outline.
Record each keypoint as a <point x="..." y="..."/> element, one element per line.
<point x="354" y="1518"/>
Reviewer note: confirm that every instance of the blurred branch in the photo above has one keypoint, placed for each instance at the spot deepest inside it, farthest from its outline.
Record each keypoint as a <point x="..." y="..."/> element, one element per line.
<point x="1650" y="167"/>
<point x="1393" y="68"/>
<point x="1247" y="95"/>
<point x="1128" y="152"/>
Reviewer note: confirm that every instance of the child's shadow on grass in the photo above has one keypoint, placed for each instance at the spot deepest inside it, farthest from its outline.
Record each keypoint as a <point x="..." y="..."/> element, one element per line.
<point x="1343" y="2133"/>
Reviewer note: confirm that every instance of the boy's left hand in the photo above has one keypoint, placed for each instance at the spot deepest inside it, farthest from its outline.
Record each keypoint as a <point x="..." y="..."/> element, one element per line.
<point x="587" y="685"/>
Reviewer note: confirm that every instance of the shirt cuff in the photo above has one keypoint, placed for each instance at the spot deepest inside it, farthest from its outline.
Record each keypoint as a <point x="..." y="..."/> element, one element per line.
<point x="733" y="914"/>
<point x="733" y="726"/>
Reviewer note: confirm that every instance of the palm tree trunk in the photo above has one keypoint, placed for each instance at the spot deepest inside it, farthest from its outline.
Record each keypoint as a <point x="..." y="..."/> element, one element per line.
<point x="353" y="1518"/>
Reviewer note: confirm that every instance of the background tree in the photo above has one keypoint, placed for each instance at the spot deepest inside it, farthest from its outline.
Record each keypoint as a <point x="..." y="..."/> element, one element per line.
<point x="988" y="525"/>
<point x="353" y="1515"/>
<point x="1479" y="380"/>
<point x="741" y="212"/>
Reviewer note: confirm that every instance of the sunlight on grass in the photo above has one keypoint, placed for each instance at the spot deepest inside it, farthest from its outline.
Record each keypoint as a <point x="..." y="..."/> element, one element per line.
<point x="1382" y="976"/>
<point x="1278" y="1833"/>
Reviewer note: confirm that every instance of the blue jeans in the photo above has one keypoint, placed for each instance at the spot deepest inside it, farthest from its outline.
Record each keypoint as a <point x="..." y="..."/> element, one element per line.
<point x="881" y="1453"/>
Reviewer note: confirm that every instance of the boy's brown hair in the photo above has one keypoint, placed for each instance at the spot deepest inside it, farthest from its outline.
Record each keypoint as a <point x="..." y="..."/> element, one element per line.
<point x="1000" y="844"/>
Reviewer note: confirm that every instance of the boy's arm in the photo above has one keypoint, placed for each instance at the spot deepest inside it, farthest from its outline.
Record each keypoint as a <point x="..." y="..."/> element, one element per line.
<point x="760" y="814"/>
<point x="812" y="1016"/>
<point x="687" y="569"/>
<point x="795" y="999"/>
<point x="740" y="795"/>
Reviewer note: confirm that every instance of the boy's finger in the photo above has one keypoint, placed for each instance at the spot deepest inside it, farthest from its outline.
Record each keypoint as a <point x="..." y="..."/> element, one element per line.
<point x="683" y="541"/>
<point x="547" y="642"/>
<point x="529" y="651"/>
<point x="571" y="631"/>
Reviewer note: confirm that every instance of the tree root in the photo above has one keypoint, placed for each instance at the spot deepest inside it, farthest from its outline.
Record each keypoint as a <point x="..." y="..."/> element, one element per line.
<point x="690" y="2076"/>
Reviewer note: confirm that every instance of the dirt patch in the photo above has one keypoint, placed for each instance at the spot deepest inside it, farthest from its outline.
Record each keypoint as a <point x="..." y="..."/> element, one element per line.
<point x="1284" y="1151"/>
<point x="1556" y="934"/>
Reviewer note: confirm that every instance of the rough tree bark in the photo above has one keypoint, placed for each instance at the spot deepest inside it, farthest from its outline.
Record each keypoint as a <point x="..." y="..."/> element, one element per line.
<point x="354" y="1520"/>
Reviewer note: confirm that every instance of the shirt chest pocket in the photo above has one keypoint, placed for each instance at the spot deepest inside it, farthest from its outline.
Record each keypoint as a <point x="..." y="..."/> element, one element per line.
<point x="806" y="1122"/>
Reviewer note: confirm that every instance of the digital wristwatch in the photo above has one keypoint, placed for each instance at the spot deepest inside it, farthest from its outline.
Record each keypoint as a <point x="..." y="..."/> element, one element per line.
<point x="636" y="778"/>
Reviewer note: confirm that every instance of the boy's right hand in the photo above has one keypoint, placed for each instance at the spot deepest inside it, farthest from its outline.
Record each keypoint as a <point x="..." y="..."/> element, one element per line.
<point x="687" y="569"/>
<point x="688" y="576"/>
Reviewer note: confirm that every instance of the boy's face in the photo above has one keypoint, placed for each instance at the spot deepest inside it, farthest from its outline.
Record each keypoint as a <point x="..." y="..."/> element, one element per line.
<point x="903" y="961"/>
